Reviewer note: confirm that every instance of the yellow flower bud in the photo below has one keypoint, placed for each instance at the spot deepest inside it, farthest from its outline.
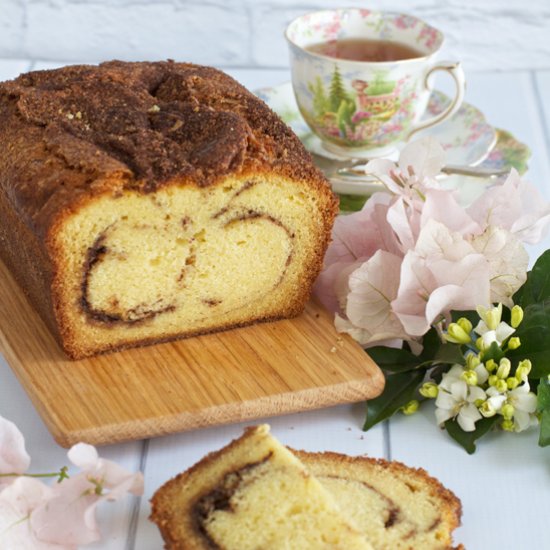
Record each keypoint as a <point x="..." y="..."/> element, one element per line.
<point x="479" y="344"/>
<point x="411" y="407"/>
<point x="504" y="367"/>
<point x="490" y="365"/>
<point x="457" y="335"/>
<point x="470" y="377"/>
<point x="472" y="361"/>
<point x="493" y="379"/>
<point x="490" y="316"/>
<point x="523" y="370"/>
<point x="514" y="342"/>
<point x="501" y="385"/>
<point x="507" y="411"/>
<point x="429" y="389"/>
<point x="507" y="425"/>
<point x="487" y="410"/>
<point x="512" y="383"/>
<point x="517" y="316"/>
<point x="465" y="325"/>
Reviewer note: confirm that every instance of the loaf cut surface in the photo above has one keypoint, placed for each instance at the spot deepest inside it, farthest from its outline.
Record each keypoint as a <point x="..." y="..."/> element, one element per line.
<point x="397" y="507"/>
<point x="252" y="494"/>
<point x="255" y="493"/>
<point x="142" y="202"/>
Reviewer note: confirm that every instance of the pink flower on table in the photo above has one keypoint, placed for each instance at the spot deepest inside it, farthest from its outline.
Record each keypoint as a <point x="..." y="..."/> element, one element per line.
<point x="68" y="516"/>
<point x="14" y="458"/>
<point x="17" y="503"/>
<point x="36" y="516"/>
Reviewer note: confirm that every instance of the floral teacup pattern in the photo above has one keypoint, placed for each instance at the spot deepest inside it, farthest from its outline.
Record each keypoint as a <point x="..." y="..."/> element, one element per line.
<point x="365" y="107"/>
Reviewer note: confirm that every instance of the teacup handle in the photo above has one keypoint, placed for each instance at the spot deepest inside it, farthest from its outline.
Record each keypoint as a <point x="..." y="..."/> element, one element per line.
<point x="455" y="70"/>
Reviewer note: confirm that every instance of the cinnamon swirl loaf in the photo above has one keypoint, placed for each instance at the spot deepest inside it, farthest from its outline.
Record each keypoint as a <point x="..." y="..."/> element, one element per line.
<point x="142" y="202"/>
<point x="254" y="493"/>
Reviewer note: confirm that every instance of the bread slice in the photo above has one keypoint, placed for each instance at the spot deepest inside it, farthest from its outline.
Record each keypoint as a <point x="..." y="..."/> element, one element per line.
<point x="142" y="202"/>
<point x="252" y="494"/>
<point x="397" y="507"/>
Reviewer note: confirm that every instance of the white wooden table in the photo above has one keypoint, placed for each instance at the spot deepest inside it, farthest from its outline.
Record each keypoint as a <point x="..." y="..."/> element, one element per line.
<point x="504" y="487"/>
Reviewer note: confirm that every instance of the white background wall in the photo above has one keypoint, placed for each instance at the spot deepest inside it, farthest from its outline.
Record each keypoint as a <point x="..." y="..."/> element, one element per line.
<point x="485" y="34"/>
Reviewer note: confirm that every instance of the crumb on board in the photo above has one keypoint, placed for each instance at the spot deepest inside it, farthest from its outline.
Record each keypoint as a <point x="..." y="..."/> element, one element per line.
<point x="333" y="349"/>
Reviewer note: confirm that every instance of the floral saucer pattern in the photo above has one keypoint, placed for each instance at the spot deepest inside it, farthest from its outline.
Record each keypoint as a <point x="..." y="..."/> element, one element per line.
<point x="467" y="138"/>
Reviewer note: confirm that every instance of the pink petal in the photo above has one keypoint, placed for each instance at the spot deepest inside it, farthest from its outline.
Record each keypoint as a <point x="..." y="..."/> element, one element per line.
<point x="13" y="456"/>
<point x="425" y="156"/>
<point x="508" y="262"/>
<point x="16" y="503"/>
<point x="442" y="206"/>
<point x="83" y="455"/>
<point x="416" y="283"/>
<point x="404" y="219"/>
<point x="515" y="205"/>
<point x="372" y="288"/>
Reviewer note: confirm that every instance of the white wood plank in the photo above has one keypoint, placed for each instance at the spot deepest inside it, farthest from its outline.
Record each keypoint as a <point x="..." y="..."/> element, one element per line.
<point x="47" y="456"/>
<point x="335" y="429"/>
<point x="542" y="87"/>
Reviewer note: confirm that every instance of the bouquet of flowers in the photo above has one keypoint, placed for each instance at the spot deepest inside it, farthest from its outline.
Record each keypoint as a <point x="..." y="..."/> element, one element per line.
<point x="439" y="293"/>
<point x="60" y="516"/>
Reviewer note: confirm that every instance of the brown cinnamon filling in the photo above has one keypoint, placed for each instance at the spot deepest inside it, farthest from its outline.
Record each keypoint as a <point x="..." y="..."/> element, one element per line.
<point x="140" y="313"/>
<point x="220" y="499"/>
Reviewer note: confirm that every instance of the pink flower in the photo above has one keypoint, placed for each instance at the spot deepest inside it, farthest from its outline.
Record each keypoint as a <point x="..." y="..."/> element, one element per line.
<point x="68" y="516"/>
<point x="14" y="459"/>
<point x="515" y="205"/>
<point x="36" y="516"/>
<point x="414" y="254"/>
<point x="372" y="287"/>
<point x="17" y="503"/>
<point x="507" y="262"/>
<point x="418" y="165"/>
<point x="442" y="273"/>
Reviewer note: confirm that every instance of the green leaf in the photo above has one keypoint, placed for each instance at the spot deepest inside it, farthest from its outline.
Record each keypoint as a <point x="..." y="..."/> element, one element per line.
<point x="401" y="360"/>
<point x="493" y="352"/>
<point x="537" y="287"/>
<point x="543" y="407"/>
<point x="394" y="360"/>
<point x="534" y="333"/>
<point x="399" y="390"/>
<point x="351" y="203"/>
<point x="468" y="439"/>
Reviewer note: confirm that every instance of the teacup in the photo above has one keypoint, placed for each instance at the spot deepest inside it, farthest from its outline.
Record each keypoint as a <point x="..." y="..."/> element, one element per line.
<point x="361" y="108"/>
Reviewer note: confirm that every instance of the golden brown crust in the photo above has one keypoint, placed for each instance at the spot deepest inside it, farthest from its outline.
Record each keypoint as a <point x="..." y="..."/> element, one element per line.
<point x="79" y="133"/>
<point x="88" y="130"/>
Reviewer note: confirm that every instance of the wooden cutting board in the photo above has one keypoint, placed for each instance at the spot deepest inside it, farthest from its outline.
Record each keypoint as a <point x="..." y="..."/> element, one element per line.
<point x="242" y="374"/>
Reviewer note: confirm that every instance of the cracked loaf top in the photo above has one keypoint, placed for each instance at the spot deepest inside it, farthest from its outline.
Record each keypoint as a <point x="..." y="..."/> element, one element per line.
<point x="82" y="130"/>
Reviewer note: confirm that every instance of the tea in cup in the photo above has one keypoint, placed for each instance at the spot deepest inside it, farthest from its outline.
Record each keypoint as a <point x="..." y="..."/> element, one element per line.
<point x="362" y="78"/>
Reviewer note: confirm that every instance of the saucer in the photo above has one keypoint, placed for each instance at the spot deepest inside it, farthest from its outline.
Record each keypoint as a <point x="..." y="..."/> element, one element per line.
<point x="467" y="138"/>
